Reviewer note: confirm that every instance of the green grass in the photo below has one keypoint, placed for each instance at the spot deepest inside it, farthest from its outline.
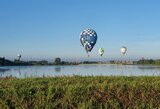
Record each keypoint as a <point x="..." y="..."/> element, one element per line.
<point x="80" y="93"/>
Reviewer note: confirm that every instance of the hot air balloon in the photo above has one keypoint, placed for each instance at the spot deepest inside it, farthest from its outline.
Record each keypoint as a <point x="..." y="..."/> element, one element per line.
<point x="101" y="51"/>
<point x="88" y="39"/>
<point x="123" y="50"/>
<point x="19" y="57"/>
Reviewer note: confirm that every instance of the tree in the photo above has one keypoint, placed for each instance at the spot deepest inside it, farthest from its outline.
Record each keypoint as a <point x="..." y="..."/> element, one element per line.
<point x="157" y="62"/>
<point x="57" y="61"/>
<point x="43" y="62"/>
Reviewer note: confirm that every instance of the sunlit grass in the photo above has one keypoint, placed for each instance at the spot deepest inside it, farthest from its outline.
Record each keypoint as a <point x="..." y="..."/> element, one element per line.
<point x="80" y="92"/>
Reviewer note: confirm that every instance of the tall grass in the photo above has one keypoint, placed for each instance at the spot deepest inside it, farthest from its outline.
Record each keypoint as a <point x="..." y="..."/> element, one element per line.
<point x="80" y="93"/>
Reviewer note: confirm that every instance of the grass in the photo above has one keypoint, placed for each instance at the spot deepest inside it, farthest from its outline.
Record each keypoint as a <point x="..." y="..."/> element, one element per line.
<point x="80" y="93"/>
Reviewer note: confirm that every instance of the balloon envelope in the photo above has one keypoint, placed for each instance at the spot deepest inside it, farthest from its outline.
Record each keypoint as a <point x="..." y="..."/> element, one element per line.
<point x="101" y="51"/>
<point x="88" y="39"/>
<point x="19" y="55"/>
<point x="123" y="50"/>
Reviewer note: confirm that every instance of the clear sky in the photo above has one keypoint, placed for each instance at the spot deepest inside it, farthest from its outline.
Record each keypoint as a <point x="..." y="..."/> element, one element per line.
<point x="45" y="29"/>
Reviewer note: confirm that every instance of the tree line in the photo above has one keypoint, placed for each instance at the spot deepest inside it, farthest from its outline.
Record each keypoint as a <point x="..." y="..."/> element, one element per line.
<point x="58" y="61"/>
<point x="16" y="62"/>
<point x="149" y="62"/>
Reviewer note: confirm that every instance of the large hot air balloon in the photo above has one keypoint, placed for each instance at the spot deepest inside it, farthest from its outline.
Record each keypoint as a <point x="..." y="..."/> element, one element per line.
<point x="88" y="39"/>
<point x="19" y="57"/>
<point x="101" y="51"/>
<point x="123" y="50"/>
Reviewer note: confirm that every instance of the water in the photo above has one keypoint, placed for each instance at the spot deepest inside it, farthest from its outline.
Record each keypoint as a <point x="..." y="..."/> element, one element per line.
<point x="82" y="70"/>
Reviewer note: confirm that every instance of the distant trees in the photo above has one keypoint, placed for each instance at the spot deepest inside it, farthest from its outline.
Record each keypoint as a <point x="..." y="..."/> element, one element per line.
<point x="43" y="62"/>
<point x="57" y="61"/>
<point x="149" y="61"/>
<point x="16" y="62"/>
<point x="146" y="61"/>
<point x="90" y="62"/>
<point x="157" y="62"/>
<point x="4" y="62"/>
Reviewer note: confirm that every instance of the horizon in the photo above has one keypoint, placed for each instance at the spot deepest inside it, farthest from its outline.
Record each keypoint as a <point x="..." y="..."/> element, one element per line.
<point x="81" y="59"/>
<point x="44" y="30"/>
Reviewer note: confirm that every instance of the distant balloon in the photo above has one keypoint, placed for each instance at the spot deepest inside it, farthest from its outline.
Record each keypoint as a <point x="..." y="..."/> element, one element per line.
<point x="19" y="56"/>
<point x="123" y="50"/>
<point x="88" y="39"/>
<point x="101" y="51"/>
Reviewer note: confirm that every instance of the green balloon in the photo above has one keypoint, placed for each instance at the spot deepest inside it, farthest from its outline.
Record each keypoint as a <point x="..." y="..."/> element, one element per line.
<point x="101" y="51"/>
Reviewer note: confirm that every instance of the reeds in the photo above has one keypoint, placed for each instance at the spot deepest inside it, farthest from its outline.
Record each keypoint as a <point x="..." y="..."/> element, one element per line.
<point x="80" y="92"/>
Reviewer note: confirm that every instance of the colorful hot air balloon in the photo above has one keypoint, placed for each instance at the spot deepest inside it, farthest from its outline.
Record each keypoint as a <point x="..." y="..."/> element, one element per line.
<point x="88" y="39"/>
<point x="123" y="50"/>
<point x="101" y="51"/>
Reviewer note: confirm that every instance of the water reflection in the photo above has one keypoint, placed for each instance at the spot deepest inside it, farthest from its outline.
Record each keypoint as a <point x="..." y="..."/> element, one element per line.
<point x="82" y="70"/>
<point x="148" y="67"/>
<point x="57" y="69"/>
<point x="19" y="72"/>
<point x="154" y="70"/>
<point x="3" y="70"/>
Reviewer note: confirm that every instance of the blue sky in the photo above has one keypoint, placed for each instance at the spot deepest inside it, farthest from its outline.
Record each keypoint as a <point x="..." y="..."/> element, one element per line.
<point x="45" y="29"/>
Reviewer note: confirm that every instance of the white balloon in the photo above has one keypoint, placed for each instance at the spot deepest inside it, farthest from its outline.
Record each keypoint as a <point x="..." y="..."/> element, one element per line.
<point x="123" y="50"/>
<point x="19" y="55"/>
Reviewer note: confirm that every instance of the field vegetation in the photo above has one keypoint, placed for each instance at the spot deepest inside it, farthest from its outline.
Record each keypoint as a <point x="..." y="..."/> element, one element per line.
<point x="78" y="92"/>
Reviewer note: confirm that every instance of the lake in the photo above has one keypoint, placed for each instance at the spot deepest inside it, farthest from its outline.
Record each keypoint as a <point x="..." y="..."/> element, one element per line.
<point x="82" y="70"/>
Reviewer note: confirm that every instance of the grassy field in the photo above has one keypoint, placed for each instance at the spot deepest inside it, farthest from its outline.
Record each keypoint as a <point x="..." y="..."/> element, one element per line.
<point x="80" y="93"/>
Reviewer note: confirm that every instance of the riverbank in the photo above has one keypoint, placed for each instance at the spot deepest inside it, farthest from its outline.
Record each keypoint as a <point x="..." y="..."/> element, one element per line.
<point x="80" y="92"/>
